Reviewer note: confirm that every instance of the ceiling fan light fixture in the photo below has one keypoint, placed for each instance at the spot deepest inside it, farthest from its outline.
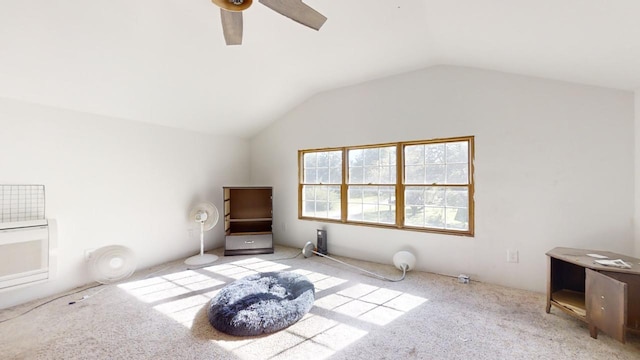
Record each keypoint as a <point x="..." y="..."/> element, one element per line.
<point x="233" y="5"/>
<point x="296" y="10"/>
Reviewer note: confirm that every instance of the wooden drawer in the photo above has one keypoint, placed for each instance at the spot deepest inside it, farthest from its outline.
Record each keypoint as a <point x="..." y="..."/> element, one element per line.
<point x="244" y="242"/>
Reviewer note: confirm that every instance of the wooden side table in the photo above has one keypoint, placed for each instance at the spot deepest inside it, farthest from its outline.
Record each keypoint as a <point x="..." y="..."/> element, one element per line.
<point x="607" y="298"/>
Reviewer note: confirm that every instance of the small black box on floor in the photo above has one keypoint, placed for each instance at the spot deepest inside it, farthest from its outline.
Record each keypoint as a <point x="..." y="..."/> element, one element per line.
<point x="322" y="241"/>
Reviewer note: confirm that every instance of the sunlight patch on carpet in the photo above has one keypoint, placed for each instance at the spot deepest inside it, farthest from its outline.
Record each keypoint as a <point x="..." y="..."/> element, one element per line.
<point x="182" y="295"/>
<point x="312" y="325"/>
<point x="354" y="308"/>
<point x="339" y="336"/>
<point x="184" y="310"/>
<point x="405" y="302"/>
<point x="369" y="303"/>
<point x="241" y="268"/>
<point x="168" y="286"/>
<point x="332" y="301"/>
<point x="328" y="283"/>
<point x="263" y="347"/>
<point x="358" y="290"/>
<point x="381" y="315"/>
<point x="323" y="336"/>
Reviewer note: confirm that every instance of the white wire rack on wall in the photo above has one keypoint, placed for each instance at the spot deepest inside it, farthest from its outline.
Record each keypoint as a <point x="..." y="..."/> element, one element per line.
<point x="21" y="203"/>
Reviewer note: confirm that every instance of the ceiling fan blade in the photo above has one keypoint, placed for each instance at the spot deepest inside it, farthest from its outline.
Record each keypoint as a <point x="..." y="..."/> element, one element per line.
<point x="298" y="11"/>
<point x="231" y="26"/>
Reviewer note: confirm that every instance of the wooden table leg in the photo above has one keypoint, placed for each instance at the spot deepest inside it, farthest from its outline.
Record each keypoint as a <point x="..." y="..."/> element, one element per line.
<point x="548" y="284"/>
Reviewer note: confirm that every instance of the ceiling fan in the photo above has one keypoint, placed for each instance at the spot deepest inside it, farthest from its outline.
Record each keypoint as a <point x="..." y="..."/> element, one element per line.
<point x="231" y="15"/>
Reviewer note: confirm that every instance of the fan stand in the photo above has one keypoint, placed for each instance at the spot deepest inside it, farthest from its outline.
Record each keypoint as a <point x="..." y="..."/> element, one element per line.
<point x="202" y="258"/>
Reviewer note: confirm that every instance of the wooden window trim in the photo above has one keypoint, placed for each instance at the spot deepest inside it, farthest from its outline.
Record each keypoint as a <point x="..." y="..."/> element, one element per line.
<point x="399" y="186"/>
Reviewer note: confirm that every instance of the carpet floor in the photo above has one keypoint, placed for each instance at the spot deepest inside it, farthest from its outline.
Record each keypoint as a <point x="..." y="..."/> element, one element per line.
<point x="161" y="313"/>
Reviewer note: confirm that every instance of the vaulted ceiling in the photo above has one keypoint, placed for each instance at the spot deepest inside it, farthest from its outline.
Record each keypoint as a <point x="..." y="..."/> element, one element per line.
<point x="166" y="62"/>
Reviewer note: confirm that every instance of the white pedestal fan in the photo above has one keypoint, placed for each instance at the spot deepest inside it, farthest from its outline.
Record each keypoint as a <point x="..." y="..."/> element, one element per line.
<point x="207" y="215"/>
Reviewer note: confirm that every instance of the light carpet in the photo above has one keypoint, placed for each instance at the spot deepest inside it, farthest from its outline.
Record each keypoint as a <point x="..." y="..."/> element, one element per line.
<point x="161" y="313"/>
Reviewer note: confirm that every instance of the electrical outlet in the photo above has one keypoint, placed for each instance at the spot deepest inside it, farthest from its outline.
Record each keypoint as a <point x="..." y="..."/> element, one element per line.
<point x="512" y="256"/>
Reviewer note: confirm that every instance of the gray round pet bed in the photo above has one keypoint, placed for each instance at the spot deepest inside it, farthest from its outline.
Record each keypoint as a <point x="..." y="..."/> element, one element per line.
<point x="261" y="303"/>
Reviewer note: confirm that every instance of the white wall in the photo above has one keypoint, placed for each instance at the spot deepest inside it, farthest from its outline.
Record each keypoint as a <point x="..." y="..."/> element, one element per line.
<point x="554" y="167"/>
<point x="112" y="181"/>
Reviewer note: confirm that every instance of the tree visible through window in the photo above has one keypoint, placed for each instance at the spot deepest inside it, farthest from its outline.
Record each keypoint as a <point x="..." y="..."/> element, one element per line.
<point x="372" y="185"/>
<point x="322" y="176"/>
<point x="418" y="185"/>
<point x="436" y="185"/>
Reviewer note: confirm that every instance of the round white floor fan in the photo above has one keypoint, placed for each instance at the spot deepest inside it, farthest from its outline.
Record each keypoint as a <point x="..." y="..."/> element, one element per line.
<point x="111" y="263"/>
<point x="207" y="215"/>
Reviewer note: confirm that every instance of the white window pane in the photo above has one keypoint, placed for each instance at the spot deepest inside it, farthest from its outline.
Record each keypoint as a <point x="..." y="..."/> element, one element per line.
<point x="355" y="194"/>
<point x="310" y="176"/>
<point x="323" y="175"/>
<point x="355" y="202"/>
<point x="321" y="201"/>
<point x="388" y="175"/>
<point x="457" y="197"/>
<point x="370" y="212"/>
<point x="434" y="154"/>
<point x="322" y="167"/>
<point x="310" y="160"/>
<point x="414" y="174"/>
<point x="414" y="200"/>
<point x="435" y="174"/>
<point x="323" y="159"/>
<point x="434" y="196"/>
<point x="414" y="216"/>
<point x="356" y="175"/>
<point x="437" y="207"/>
<point x="434" y="217"/>
<point x="370" y="194"/>
<point x="458" y="152"/>
<point x="335" y="159"/>
<point x="309" y="208"/>
<point x="374" y="204"/>
<point x="388" y="216"/>
<point x="377" y="164"/>
<point x="371" y="175"/>
<point x="356" y="157"/>
<point x="355" y="212"/>
<point x="371" y="157"/>
<point x="335" y="175"/>
<point x="414" y="195"/>
<point x="414" y="154"/>
<point x="457" y="174"/>
<point x="457" y="202"/>
<point x="309" y="193"/>
<point x="390" y="154"/>
<point x="458" y="219"/>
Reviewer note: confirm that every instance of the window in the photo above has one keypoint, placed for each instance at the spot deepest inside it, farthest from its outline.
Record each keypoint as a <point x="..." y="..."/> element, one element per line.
<point x="371" y="185"/>
<point x="418" y="185"/>
<point x="321" y="189"/>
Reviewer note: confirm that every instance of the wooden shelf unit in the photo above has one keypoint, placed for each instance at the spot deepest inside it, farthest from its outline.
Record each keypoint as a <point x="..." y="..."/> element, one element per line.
<point x="248" y="222"/>
<point x="606" y="298"/>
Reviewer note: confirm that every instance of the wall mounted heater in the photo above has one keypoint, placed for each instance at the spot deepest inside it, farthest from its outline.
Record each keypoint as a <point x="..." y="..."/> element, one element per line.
<point x="26" y="241"/>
